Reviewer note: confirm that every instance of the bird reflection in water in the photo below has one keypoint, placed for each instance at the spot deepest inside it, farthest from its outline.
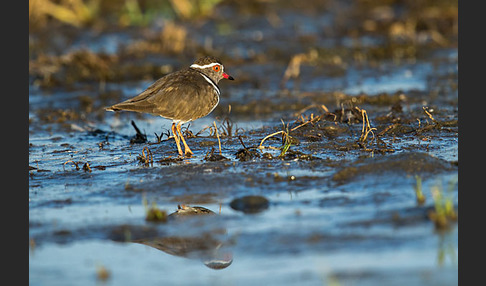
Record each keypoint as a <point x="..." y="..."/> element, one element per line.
<point x="207" y="246"/>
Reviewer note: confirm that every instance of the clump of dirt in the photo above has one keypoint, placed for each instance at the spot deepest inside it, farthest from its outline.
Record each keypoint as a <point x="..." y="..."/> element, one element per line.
<point x="246" y="153"/>
<point x="211" y="156"/>
<point x="155" y="214"/>
<point x="409" y="163"/>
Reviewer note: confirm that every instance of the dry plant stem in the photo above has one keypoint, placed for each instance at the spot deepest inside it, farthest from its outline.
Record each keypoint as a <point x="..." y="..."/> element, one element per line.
<point x="268" y="136"/>
<point x="313" y="119"/>
<point x="428" y="113"/>
<point x="159" y="138"/>
<point x="325" y="108"/>
<point x="242" y="144"/>
<point x="135" y="127"/>
<point x="86" y="167"/>
<point x="363" y="129"/>
<point x="204" y="129"/>
<point x="366" y="126"/>
<point x="148" y="158"/>
<point x="285" y="133"/>
<point x="293" y="68"/>
<point x="310" y="107"/>
<point x="217" y="135"/>
<point x="75" y="164"/>
<point x="388" y="128"/>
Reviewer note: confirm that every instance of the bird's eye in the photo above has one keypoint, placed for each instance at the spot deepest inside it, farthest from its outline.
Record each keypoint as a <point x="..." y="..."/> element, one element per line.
<point x="216" y="68"/>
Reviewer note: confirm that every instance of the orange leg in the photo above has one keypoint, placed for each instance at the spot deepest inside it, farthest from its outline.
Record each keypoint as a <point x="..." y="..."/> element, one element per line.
<point x="187" y="150"/>
<point x="176" y="138"/>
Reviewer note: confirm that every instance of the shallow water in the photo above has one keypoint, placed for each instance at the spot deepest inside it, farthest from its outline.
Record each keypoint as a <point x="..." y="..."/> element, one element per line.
<point x="340" y="212"/>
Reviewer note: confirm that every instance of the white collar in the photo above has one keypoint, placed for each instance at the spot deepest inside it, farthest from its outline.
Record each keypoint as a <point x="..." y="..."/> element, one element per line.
<point x="211" y="82"/>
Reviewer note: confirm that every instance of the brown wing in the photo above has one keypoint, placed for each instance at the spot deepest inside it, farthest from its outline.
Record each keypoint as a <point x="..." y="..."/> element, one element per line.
<point x="183" y="95"/>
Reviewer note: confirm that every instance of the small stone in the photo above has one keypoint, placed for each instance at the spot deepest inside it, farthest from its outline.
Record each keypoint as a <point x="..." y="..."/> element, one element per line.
<point x="250" y="204"/>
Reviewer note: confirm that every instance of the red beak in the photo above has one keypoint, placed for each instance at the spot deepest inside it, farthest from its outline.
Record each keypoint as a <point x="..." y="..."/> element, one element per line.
<point x="225" y="75"/>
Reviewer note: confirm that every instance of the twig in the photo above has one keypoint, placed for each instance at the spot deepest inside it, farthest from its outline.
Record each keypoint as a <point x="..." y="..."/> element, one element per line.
<point x="241" y="141"/>
<point x="217" y="135"/>
<point x="139" y="137"/>
<point x="201" y="131"/>
<point x="136" y="128"/>
<point x="159" y="138"/>
<point x="187" y="132"/>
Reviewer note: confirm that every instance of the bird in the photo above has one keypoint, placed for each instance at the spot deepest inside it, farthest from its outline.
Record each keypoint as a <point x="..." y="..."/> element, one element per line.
<point x="211" y="247"/>
<point x="181" y="96"/>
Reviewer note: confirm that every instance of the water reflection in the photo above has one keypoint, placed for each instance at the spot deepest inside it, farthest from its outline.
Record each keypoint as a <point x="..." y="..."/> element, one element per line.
<point x="446" y="247"/>
<point x="211" y="247"/>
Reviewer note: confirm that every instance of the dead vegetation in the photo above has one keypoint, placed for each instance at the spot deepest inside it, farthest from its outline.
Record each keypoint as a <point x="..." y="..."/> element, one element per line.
<point x="154" y="213"/>
<point x="67" y="69"/>
<point x="72" y="12"/>
<point x="341" y="137"/>
<point x="146" y="159"/>
<point x="444" y="214"/>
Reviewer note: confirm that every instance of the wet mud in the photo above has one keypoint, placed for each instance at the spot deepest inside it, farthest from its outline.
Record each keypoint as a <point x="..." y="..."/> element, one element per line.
<point x="341" y="115"/>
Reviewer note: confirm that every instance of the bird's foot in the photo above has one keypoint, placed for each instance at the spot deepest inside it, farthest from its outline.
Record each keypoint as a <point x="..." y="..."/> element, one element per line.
<point x="189" y="153"/>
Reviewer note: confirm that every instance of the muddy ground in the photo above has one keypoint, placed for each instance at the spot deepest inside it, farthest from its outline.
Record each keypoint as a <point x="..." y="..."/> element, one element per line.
<point x="339" y="147"/>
